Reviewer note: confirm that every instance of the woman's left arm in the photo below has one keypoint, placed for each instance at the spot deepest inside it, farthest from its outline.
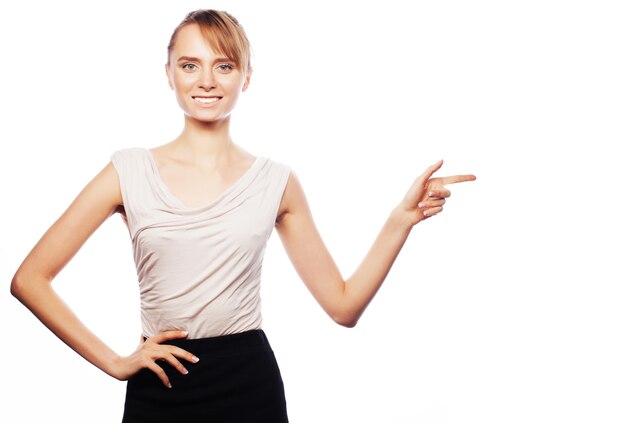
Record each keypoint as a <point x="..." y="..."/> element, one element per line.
<point x="345" y="301"/>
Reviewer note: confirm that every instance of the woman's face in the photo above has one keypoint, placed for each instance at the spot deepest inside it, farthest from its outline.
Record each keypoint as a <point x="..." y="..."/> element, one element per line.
<point x="206" y="84"/>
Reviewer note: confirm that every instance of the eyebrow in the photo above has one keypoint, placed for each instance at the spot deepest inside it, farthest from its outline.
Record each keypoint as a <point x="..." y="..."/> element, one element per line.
<point x="195" y="59"/>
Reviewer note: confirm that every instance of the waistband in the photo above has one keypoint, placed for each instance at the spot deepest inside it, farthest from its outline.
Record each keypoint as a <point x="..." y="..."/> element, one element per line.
<point x="255" y="338"/>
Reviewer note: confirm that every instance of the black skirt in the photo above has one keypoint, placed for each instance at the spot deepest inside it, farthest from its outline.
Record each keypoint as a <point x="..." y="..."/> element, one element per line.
<point x="236" y="380"/>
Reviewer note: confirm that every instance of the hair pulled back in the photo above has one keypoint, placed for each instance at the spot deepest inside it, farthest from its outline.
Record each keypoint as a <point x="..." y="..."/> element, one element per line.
<point x="222" y="32"/>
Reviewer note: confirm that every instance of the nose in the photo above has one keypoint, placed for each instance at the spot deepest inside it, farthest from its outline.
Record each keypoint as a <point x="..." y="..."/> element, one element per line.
<point x="206" y="79"/>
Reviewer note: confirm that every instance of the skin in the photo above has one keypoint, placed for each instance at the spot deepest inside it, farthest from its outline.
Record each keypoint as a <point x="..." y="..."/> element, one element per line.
<point x="204" y="149"/>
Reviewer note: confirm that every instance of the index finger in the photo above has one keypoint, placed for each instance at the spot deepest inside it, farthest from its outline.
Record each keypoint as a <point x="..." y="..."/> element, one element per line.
<point x="457" y="178"/>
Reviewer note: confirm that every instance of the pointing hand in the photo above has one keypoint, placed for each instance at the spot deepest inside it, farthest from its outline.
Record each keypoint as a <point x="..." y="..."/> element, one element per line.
<point x="427" y="195"/>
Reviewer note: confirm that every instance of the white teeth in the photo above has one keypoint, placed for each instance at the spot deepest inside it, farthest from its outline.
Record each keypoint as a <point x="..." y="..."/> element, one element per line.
<point x="206" y="100"/>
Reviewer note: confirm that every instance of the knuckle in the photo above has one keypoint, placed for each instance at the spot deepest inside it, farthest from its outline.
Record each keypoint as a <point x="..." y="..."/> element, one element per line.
<point x="183" y="353"/>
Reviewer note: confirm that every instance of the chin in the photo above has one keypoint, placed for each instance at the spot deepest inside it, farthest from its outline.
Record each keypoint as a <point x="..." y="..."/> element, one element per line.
<point x="206" y="119"/>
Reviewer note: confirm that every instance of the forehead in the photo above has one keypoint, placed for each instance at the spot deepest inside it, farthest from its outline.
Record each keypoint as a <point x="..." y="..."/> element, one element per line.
<point x="191" y="42"/>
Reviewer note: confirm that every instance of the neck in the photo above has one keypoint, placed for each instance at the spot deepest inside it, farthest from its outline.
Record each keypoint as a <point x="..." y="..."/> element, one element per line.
<point x="206" y="143"/>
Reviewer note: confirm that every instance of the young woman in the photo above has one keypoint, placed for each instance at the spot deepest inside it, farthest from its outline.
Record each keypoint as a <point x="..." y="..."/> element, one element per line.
<point x="199" y="211"/>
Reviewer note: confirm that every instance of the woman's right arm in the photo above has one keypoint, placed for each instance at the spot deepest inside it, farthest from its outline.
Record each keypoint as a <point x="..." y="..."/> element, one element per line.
<point x="32" y="284"/>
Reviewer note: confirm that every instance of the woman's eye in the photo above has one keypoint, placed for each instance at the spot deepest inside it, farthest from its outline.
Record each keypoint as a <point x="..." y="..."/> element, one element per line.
<point x="223" y="67"/>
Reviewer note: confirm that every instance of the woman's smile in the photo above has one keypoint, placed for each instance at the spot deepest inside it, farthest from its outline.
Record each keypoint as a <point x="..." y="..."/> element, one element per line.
<point x="206" y="100"/>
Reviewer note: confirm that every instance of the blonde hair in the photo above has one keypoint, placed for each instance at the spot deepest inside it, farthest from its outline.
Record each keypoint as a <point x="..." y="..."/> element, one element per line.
<point x="224" y="34"/>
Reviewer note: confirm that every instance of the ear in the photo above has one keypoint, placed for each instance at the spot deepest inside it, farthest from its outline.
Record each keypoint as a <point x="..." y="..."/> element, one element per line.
<point x="169" y="80"/>
<point x="247" y="82"/>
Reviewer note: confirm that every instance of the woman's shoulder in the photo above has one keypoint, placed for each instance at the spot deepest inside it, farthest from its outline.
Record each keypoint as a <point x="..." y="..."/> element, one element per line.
<point x="129" y="160"/>
<point x="277" y="163"/>
<point x="128" y="156"/>
<point x="127" y="151"/>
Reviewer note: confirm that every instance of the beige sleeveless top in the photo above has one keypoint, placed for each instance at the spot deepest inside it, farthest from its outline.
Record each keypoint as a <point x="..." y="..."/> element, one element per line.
<point x="199" y="268"/>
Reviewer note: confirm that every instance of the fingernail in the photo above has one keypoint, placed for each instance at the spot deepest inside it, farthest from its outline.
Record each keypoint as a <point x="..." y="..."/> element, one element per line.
<point x="185" y="371"/>
<point x="185" y="332"/>
<point x="169" y="385"/>
<point x="195" y="359"/>
<point x="420" y="205"/>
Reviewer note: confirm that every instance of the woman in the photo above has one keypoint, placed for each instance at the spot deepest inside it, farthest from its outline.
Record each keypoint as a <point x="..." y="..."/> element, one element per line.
<point x="199" y="210"/>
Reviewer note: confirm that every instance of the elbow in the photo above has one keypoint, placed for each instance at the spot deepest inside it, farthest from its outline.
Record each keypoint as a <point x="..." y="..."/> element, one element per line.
<point x="347" y="323"/>
<point x="17" y="288"/>
<point x="346" y="314"/>
<point x="22" y="286"/>
<point x="346" y="320"/>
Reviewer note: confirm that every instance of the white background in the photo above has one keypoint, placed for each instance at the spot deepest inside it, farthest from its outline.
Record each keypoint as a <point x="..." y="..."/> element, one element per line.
<point x="507" y="307"/>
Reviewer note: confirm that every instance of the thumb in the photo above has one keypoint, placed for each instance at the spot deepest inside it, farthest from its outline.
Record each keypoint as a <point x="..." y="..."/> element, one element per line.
<point x="430" y="170"/>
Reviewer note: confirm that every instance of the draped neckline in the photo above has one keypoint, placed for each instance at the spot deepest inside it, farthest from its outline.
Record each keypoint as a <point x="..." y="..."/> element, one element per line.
<point x="179" y="203"/>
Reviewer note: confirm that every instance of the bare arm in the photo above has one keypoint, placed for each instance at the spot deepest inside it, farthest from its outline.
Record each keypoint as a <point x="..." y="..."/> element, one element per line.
<point x="32" y="282"/>
<point x="345" y="301"/>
